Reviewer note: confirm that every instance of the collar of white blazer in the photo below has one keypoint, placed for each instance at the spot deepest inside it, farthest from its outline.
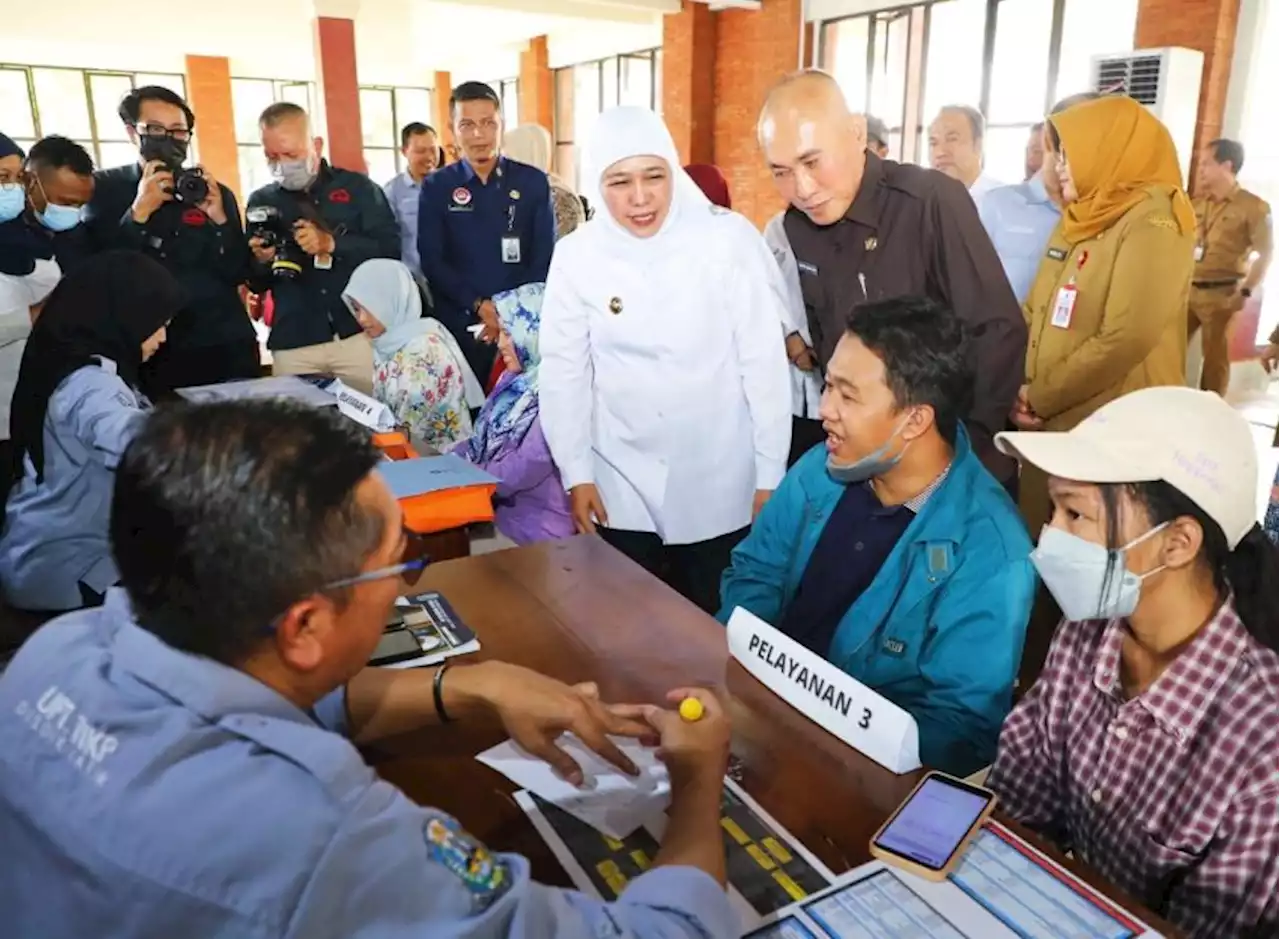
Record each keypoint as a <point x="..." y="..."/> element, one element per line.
<point x="624" y="132"/>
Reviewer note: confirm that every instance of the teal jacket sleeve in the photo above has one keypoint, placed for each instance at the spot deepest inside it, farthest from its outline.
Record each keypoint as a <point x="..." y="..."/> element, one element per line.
<point x="759" y="569"/>
<point x="970" y="661"/>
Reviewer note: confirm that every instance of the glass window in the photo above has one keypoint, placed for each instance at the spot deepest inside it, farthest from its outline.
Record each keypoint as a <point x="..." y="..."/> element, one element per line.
<point x="377" y="119"/>
<point x="61" y="100"/>
<point x="175" y="83"/>
<point x="107" y="91"/>
<point x="844" y="55"/>
<point x="1004" y="153"/>
<point x="412" y="104"/>
<point x="637" y="81"/>
<point x="1089" y="28"/>
<point x="16" y="116"/>
<point x="114" y="154"/>
<point x="1018" y="68"/>
<point x="609" y="84"/>
<point x="657" y="80"/>
<point x="249" y="98"/>
<point x="254" y="173"/>
<point x="382" y="164"/>
<point x="953" y="62"/>
<point x="298" y="93"/>
<point x="889" y="70"/>
<point x="586" y="100"/>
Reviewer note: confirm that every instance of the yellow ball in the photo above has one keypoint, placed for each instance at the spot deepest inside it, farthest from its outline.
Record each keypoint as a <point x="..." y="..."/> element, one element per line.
<point x="691" y="709"/>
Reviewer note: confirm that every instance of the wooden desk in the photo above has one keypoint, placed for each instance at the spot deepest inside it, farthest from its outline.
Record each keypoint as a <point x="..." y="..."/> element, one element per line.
<point x="579" y="611"/>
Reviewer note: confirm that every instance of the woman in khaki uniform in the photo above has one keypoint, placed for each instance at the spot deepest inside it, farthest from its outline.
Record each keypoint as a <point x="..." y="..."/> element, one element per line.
<point x="1107" y="311"/>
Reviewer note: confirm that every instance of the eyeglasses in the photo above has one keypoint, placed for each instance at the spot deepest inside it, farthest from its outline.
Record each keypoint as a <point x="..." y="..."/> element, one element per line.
<point x="159" y="130"/>
<point x="412" y="563"/>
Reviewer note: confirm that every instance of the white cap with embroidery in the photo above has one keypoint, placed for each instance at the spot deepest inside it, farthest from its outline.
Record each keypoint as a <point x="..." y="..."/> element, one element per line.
<point x="1192" y="440"/>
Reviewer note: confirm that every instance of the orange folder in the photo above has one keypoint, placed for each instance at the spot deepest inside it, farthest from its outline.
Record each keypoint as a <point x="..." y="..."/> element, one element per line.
<point x="437" y="511"/>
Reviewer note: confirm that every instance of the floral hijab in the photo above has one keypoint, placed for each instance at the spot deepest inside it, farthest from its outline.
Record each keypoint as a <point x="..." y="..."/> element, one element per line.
<point x="513" y="405"/>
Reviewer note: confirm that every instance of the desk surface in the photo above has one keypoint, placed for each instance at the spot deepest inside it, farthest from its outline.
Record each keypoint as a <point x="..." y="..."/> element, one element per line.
<point x="578" y="610"/>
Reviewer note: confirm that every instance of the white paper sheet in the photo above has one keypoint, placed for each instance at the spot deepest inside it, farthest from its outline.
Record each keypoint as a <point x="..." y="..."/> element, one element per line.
<point x="610" y="801"/>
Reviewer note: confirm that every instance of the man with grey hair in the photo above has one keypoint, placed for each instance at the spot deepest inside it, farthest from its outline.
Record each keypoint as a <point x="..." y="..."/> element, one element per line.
<point x="955" y="148"/>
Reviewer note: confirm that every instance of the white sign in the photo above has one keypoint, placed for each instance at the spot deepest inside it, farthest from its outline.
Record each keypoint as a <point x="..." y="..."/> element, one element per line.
<point x="837" y="702"/>
<point x="362" y="409"/>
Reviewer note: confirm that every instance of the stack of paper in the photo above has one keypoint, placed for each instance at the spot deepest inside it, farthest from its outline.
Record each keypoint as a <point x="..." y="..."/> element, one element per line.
<point x="275" y="386"/>
<point x="609" y="800"/>
<point x="426" y="474"/>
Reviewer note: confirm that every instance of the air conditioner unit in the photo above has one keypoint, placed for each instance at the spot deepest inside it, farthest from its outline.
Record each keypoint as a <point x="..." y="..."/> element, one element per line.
<point x="1166" y="80"/>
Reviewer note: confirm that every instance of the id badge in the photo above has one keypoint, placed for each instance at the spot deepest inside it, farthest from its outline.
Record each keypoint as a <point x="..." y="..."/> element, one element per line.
<point x="1064" y="306"/>
<point x="1199" y="255"/>
<point x="323" y="262"/>
<point x="510" y="250"/>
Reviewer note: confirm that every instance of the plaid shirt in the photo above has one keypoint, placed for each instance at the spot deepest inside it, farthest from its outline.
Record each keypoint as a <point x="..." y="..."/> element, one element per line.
<point x="1172" y="794"/>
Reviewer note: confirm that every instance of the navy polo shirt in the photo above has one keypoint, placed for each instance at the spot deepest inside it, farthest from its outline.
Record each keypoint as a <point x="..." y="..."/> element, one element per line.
<point x="477" y="239"/>
<point x="859" y="536"/>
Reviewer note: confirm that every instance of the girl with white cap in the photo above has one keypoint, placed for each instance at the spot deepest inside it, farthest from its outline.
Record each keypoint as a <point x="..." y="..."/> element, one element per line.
<point x="1148" y="745"/>
<point x="664" y="390"/>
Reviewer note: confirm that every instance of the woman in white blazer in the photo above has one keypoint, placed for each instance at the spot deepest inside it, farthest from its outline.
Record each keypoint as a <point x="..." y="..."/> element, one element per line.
<point x="665" y="395"/>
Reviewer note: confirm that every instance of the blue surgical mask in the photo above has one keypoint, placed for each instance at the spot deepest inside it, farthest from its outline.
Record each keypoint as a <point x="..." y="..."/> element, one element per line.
<point x="1084" y="579"/>
<point x="60" y="217"/>
<point x="876" y="463"/>
<point x="12" y="201"/>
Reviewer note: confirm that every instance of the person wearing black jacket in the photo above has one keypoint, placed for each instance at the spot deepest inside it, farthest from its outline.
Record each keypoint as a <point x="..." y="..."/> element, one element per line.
<point x="328" y="221"/>
<point x="201" y="243"/>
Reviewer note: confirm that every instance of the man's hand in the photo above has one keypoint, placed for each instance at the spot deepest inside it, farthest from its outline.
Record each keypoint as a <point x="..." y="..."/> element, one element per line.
<point x="694" y="751"/>
<point x="212" y="205"/>
<point x="262" y="253"/>
<point x="587" y="508"/>
<point x="761" y="497"/>
<point x="536" y="710"/>
<point x="1023" y="415"/>
<point x="800" y="354"/>
<point x="1270" y="357"/>
<point x="487" y="313"/>
<point x="155" y="188"/>
<point x="311" y="239"/>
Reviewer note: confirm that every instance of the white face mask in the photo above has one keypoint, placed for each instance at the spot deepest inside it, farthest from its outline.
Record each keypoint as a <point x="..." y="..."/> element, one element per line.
<point x="1076" y="573"/>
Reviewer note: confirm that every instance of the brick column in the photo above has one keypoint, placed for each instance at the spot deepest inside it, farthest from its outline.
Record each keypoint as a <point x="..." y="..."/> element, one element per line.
<point x="754" y="48"/>
<point x="688" y="80"/>
<point x="209" y="94"/>
<point x="339" y="121"/>
<point x="537" y="87"/>
<point x="440" y="94"/>
<point x="1206" y="25"/>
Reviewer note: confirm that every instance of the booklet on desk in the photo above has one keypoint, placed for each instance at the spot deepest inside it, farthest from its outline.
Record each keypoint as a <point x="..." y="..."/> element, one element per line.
<point x="298" y="388"/>
<point x="436" y="627"/>
<point x="428" y="474"/>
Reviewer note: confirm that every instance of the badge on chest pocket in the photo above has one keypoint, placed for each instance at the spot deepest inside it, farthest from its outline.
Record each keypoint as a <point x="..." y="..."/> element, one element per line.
<point x="1064" y="305"/>
<point x="510" y="250"/>
<point x="1199" y="255"/>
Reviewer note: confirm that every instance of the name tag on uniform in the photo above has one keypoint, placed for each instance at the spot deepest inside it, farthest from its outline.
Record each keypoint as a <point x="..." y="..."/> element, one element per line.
<point x="1199" y="255"/>
<point x="1064" y="306"/>
<point x="510" y="250"/>
<point x="322" y="262"/>
<point x="806" y="268"/>
<point x="1057" y="254"/>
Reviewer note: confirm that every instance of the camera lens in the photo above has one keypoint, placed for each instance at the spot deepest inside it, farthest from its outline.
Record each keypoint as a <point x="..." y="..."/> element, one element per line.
<point x="191" y="187"/>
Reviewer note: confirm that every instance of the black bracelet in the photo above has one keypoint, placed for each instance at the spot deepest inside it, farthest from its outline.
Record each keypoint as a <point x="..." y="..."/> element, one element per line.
<point x="437" y="692"/>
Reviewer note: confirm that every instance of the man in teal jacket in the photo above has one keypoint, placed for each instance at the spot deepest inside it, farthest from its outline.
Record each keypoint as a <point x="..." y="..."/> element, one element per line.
<point x="892" y="552"/>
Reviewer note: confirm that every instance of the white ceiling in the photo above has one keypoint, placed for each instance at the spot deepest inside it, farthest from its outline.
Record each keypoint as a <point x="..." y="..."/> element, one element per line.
<point x="397" y="41"/>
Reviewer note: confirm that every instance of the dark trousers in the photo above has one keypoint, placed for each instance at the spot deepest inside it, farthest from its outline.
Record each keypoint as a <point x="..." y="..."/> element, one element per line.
<point x="805" y="435"/>
<point x="174" y="368"/>
<point x="692" y="570"/>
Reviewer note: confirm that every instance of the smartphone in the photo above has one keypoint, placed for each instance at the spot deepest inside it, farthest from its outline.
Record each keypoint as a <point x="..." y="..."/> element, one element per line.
<point x="929" y="832"/>
<point x="395" y="646"/>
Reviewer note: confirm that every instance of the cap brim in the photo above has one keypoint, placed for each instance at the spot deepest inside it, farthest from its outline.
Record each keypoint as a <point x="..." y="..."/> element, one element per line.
<point x="1070" y="455"/>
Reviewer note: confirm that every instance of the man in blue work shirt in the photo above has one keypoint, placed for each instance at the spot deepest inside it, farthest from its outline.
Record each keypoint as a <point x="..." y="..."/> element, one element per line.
<point x="323" y="223"/>
<point x="891" y="551"/>
<point x="485" y="224"/>
<point x="1021" y="218"/>
<point x="421" y="150"/>
<point x="173" y="764"/>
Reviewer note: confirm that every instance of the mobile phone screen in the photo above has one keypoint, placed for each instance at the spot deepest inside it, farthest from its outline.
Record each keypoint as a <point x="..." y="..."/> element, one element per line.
<point x="930" y="827"/>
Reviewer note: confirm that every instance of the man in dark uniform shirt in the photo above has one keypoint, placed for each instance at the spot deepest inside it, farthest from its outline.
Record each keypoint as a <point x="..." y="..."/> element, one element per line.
<point x="136" y="207"/>
<point x="485" y="225"/>
<point x="863" y="228"/>
<point x="333" y="220"/>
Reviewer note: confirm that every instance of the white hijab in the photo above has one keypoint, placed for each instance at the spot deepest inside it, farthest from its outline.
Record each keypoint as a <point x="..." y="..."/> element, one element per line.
<point x="625" y="132"/>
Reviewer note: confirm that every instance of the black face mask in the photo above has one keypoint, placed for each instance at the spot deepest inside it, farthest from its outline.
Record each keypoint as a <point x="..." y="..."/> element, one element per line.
<point x="167" y="150"/>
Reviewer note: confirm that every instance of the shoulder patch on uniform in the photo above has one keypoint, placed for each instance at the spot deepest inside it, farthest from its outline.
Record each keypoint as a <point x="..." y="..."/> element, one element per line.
<point x="484" y="876"/>
<point x="1163" y="221"/>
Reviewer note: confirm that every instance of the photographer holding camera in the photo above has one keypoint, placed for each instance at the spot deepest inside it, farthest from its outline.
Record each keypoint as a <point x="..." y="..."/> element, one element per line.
<point x="309" y="230"/>
<point x="189" y="222"/>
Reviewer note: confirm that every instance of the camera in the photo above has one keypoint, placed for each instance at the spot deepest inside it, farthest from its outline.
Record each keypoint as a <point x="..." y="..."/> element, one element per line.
<point x="189" y="185"/>
<point x="267" y="224"/>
